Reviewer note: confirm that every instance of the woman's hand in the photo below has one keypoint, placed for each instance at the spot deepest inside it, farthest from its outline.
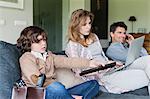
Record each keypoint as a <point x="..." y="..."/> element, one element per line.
<point x="110" y="61"/>
<point x="92" y="74"/>
<point x="118" y="64"/>
<point x="95" y="63"/>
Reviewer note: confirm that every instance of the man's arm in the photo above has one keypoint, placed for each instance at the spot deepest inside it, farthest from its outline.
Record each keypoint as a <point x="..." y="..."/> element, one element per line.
<point x="143" y="52"/>
<point x="117" y="52"/>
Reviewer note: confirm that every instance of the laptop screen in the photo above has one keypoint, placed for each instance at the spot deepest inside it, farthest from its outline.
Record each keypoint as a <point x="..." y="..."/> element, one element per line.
<point x="134" y="50"/>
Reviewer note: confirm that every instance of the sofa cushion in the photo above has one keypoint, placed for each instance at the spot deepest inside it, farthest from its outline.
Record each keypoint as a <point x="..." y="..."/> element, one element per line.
<point x="9" y="68"/>
<point x="137" y="94"/>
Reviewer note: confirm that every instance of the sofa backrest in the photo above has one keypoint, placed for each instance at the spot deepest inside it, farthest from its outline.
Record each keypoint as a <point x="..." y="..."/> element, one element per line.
<point x="9" y="68"/>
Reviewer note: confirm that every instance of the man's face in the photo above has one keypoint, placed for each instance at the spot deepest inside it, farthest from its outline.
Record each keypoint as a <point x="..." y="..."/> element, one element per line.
<point x="119" y="35"/>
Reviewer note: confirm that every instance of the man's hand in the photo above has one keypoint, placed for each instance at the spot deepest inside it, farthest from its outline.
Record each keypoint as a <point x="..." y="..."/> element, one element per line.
<point x="129" y="39"/>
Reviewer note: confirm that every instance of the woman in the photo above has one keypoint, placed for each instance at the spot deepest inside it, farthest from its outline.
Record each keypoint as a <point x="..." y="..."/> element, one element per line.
<point x="37" y="60"/>
<point x="83" y="43"/>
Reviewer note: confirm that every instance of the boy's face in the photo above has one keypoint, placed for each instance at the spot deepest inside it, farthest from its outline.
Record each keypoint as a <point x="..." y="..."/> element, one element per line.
<point x="119" y="35"/>
<point x="41" y="46"/>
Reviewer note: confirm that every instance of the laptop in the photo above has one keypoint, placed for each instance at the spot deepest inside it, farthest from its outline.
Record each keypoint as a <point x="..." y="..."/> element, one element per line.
<point x="133" y="53"/>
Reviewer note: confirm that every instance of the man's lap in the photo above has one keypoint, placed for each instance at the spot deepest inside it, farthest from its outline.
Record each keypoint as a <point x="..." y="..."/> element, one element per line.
<point x="126" y="79"/>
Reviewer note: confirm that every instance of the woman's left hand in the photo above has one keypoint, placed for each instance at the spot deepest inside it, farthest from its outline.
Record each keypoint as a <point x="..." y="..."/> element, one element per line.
<point x="119" y="64"/>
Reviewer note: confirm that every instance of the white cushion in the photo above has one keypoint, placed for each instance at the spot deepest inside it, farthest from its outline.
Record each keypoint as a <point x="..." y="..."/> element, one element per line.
<point x="67" y="78"/>
<point x="126" y="80"/>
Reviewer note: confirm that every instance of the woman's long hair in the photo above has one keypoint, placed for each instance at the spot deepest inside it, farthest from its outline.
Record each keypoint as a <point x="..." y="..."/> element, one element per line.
<point x="78" y="19"/>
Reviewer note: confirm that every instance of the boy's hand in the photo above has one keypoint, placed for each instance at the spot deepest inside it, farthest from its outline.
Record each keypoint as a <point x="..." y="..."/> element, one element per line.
<point x="77" y="97"/>
<point x="94" y="63"/>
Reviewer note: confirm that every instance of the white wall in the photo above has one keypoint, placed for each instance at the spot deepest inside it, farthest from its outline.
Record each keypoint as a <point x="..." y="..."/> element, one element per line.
<point x="68" y="7"/>
<point x="118" y="10"/>
<point x="121" y="10"/>
<point x="9" y="31"/>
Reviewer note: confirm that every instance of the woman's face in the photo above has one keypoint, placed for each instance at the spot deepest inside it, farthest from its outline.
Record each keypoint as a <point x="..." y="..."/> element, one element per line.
<point x="41" y="46"/>
<point x="85" y="29"/>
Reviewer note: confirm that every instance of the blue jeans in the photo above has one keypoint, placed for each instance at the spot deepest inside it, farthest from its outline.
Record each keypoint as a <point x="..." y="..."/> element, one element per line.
<point x="58" y="91"/>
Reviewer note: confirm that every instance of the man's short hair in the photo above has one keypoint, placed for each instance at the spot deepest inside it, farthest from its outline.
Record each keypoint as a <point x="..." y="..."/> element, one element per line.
<point x="117" y="24"/>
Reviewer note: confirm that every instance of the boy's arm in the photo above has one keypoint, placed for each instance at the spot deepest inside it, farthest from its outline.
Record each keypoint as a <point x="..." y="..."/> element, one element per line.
<point x="65" y="62"/>
<point x="29" y="69"/>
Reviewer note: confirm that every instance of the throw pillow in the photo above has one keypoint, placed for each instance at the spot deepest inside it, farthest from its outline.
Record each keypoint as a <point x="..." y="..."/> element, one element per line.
<point x="9" y="68"/>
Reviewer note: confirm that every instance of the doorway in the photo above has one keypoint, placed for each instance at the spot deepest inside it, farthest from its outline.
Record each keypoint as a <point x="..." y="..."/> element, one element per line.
<point x="100" y="25"/>
<point x="47" y="14"/>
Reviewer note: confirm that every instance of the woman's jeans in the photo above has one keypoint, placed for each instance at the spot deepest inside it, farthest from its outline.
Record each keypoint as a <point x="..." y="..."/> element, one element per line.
<point x="87" y="90"/>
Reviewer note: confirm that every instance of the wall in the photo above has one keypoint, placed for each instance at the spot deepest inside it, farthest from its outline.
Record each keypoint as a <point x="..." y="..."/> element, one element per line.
<point x="9" y="31"/>
<point x="68" y="7"/>
<point x="65" y="20"/>
<point x="121" y="10"/>
<point x="118" y="10"/>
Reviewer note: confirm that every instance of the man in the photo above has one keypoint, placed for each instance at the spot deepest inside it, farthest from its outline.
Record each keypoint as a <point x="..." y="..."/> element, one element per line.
<point x="118" y="49"/>
<point x="120" y="42"/>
